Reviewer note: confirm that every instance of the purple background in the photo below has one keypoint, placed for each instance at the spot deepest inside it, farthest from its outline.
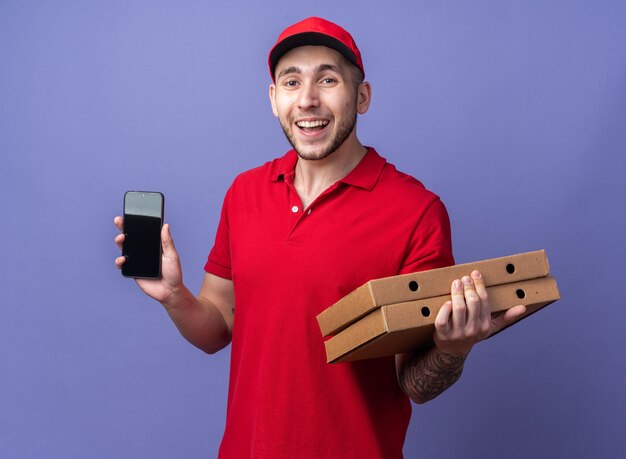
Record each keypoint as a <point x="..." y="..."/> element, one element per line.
<point x="513" y="112"/>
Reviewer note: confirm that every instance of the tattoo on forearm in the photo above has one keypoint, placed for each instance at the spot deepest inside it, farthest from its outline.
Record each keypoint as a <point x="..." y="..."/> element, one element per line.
<point x="428" y="374"/>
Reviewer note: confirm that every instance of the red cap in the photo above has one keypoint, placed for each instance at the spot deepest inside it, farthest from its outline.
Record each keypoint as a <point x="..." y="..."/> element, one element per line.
<point x="317" y="32"/>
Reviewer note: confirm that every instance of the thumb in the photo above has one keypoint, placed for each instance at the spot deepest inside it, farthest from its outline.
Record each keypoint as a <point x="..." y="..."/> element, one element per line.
<point x="167" y="241"/>
<point x="509" y="317"/>
<point x="515" y="313"/>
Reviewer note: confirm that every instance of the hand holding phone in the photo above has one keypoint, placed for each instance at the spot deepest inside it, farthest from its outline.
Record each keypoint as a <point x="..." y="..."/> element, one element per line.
<point x="171" y="280"/>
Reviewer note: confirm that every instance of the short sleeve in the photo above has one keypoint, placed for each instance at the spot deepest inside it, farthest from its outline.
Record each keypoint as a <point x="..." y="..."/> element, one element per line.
<point x="219" y="260"/>
<point x="430" y="245"/>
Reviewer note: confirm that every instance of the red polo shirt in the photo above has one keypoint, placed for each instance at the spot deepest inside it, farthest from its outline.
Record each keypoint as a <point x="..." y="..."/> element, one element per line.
<point x="287" y="265"/>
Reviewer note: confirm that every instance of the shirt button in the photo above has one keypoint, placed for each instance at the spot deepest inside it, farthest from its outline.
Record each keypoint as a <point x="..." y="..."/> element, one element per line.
<point x="309" y="212"/>
<point x="294" y="209"/>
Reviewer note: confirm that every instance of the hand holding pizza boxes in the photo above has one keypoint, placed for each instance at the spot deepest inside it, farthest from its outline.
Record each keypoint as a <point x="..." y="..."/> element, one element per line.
<point x="397" y="314"/>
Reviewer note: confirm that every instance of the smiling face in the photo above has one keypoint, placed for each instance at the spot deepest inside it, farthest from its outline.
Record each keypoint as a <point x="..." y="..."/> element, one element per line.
<point x="316" y="101"/>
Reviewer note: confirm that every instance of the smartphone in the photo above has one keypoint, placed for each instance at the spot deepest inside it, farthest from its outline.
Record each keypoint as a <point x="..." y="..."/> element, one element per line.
<point x="143" y="219"/>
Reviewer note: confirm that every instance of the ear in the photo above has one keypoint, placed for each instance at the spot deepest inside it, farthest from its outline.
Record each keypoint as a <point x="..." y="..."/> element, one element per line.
<point x="273" y="99"/>
<point x="364" y="97"/>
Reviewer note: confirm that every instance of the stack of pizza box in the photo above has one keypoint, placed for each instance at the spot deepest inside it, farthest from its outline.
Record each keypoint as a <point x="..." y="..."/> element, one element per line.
<point x="397" y="314"/>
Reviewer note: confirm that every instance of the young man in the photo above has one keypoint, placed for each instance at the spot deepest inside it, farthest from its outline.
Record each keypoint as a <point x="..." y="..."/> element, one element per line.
<point x="296" y="235"/>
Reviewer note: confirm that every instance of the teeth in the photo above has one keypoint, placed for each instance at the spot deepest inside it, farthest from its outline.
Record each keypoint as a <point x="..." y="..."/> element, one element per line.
<point x="311" y="124"/>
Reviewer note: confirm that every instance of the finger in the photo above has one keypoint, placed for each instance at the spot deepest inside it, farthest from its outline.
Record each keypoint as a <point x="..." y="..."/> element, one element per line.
<point x="119" y="240"/>
<point x="458" y="305"/>
<point x="119" y="222"/>
<point x="119" y="261"/>
<point x="473" y="304"/>
<point x="481" y="291"/>
<point x="442" y="321"/>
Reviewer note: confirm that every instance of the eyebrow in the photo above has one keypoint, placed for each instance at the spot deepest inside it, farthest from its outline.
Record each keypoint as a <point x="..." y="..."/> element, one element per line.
<point x="331" y="67"/>
<point x="318" y="69"/>
<point x="288" y="70"/>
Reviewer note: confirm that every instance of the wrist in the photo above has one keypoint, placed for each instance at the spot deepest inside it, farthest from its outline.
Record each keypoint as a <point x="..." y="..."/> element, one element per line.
<point x="453" y="351"/>
<point x="177" y="298"/>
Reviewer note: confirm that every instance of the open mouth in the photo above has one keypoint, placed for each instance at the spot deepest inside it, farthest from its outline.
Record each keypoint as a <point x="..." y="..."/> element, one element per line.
<point x="313" y="126"/>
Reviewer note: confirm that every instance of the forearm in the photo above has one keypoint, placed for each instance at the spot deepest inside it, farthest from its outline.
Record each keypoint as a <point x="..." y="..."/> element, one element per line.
<point x="199" y="321"/>
<point x="425" y="375"/>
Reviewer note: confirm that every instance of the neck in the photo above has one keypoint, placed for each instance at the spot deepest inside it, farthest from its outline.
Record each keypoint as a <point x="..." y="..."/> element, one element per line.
<point x="313" y="177"/>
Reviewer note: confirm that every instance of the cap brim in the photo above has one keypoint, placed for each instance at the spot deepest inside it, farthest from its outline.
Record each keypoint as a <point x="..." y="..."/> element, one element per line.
<point x="308" y="39"/>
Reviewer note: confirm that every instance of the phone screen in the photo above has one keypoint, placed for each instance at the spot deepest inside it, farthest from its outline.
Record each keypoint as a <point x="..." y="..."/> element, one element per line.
<point x="143" y="219"/>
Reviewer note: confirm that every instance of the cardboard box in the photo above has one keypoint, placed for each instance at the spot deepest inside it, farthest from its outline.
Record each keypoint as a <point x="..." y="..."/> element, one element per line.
<point x="404" y="327"/>
<point x="426" y="284"/>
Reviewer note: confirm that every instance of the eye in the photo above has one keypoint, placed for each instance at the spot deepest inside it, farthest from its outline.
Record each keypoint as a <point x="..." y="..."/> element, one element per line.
<point x="290" y="83"/>
<point x="328" y="80"/>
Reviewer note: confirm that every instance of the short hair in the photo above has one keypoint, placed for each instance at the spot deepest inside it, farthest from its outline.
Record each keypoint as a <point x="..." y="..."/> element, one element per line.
<point x="356" y="75"/>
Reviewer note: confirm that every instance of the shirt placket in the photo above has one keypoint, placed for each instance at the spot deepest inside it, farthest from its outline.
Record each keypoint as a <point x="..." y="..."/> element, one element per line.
<point x="298" y="214"/>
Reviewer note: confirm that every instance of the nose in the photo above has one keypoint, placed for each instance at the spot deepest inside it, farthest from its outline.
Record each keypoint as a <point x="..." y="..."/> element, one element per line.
<point x="308" y="96"/>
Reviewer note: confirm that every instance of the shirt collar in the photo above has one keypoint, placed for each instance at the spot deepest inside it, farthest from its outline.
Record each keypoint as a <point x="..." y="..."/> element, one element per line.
<point x="364" y="175"/>
<point x="284" y="166"/>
